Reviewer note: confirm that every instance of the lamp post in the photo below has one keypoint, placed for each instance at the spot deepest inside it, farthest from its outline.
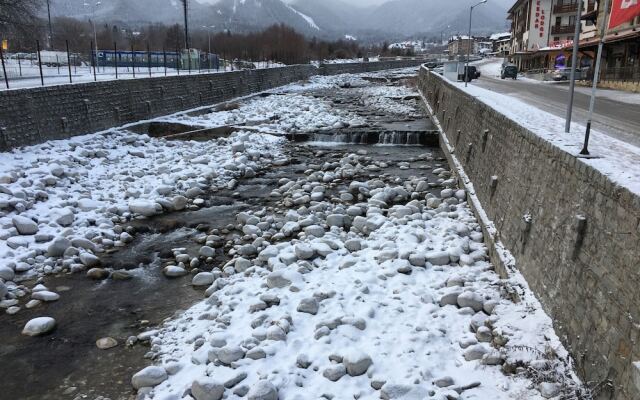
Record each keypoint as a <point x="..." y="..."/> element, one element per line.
<point x="93" y="24"/>
<point x="466" y="68"/>
<point x="50" y="41"/>
<point x="208" y="28"/>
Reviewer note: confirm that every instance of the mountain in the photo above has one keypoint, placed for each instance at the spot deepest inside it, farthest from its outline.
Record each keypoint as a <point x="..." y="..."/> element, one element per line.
<point x="393" y="19"/>
<point x="409" y="17"/>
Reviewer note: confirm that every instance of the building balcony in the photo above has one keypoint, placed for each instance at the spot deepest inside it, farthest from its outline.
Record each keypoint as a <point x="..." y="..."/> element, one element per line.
<point x="572" y="8"/>
<point x="562" y="29"/>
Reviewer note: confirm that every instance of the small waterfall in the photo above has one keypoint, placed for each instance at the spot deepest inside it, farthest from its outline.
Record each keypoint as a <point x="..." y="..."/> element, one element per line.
<point x="390" y="138"/>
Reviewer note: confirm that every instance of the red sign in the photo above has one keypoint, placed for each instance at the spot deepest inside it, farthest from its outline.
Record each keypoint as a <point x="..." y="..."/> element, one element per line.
<point x="623" y="11"/>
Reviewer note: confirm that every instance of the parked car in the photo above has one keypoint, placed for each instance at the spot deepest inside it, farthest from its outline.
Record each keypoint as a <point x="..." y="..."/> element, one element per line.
<point x="563" y="74"/>
<point x="509" y="71"/>
<point x="474" y="73"/>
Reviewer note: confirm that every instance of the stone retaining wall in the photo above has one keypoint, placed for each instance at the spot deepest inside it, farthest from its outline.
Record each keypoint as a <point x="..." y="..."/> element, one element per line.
<point x="574" y="233"/>
<point x="31" y="116"/>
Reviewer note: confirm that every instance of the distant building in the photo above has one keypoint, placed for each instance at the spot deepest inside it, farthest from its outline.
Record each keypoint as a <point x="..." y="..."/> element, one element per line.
<point x="501" y="44"/>
<point x="460" y="46"/>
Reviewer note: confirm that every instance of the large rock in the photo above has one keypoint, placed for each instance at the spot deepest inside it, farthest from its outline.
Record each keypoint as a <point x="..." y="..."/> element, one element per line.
<point x="64" y="216"/>
<point x="202" y="279"/>
<point x="263" y="390"/>
<point x="39" y="326"/>
<point x="405" y="392"/>
<point x="145" y="208"/>
<point x="437" y="257"/>
<point x="230" y="354"/>
<point x="149" y="377"/>
<point x="470" y="299"/>
<point x="24" y="225"/>
<point x="7" y="274"/>
<point x="89" y="260"/>
<point x="356" y="362"/>
<point x="58" y="247"/>
<point x="45" y="295"/>
<point x="207" y="389"/>
<point x="309" y="305"/>
<point x="277" y="279"/>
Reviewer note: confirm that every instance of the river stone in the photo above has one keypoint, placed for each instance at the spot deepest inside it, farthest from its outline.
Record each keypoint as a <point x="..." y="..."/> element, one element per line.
<point x="24" y="225"/>
<point x="121" y="275"/>
<point x="444" y="381"/>
<point x="470" y="299"/>
<point x="263" y="390"/>
<point x="475" y="352"/>
<point x="437" y="257"/>
<point x="206" y="251"/>
<point x="58" y="247"/>
<point x="7" y="274"/>
<point x="356" y="362"/>
<point x="39" y="326"/>
<point x="173" y="271"/>
<point x="89" y="260"/>
<point x="145" y="208"/>
<point x="303" y="251"/>
<point x="242" y="264"/>
<point x="334" y="372"/>
<point x="314" y="230"/>
<point x="179" y="203"/>
<point x="65" y="217"/>
<point x="335" y="220"/>
<point x="106" y="343"/>
<point x="353" y="245"/>
<point x="549" y="390"/>
<point x="202" y="279"/>
<point x="230" y="354"/>
<point x="207" y="389"/>
<point x="97" y="273"/>
<point x="3" y="290"/>
<point x="309" y="305"/>
<point x="277" y="279"/>
<point x="405" y="392"/>
<point x="45" y="295"/>
<point x="149" y="377"/>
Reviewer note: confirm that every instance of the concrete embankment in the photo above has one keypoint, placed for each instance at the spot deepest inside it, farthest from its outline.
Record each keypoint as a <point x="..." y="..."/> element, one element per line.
<point x="573" y="232"/>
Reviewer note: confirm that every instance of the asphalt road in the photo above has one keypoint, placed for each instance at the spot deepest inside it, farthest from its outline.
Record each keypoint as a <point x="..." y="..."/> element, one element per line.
<point x="615" y="118"/>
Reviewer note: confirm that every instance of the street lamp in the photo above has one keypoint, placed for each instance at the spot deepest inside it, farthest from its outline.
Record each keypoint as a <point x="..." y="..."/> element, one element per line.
<point x="208" y="28"/>
<point x="466" y="68"/>
<point x="93" y="24"/>
<point x="50" y="44"/>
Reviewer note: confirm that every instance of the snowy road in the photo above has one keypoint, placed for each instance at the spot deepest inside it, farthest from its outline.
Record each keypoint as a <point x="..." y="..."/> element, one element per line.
<point x="616" y="112"/>
<point x="337" y="271"/>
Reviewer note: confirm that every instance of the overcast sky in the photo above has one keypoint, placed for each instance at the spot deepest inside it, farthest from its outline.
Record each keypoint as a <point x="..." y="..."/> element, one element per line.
<point x="505" y="3"/>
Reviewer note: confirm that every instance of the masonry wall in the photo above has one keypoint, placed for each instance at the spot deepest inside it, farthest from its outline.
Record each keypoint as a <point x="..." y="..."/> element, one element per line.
<point x="580" y="252"/>
<point x="31" y="116"/>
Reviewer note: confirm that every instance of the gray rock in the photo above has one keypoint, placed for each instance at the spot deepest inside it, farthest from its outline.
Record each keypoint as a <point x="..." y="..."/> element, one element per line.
<point x="256" y="353"/>
<point x="314" y="230"/>
<point x="334" y="372"/>
<point x="303" y="251"/>
<point x="97" y="273"/>
<point x="437" y="257"/>
<point x="145" y="208"/>
<point x="470" y="299"/>
<point x="353" y="245"/>
<point x="39" y="326"/>
<point x="7" y="274"/>
<point x="277" y="279"/>
<point x="356" y="362"/>
<point x="179" y="203"/>
<point x="173" y="271"/>
<point x="230" y="354"/>
<point x="405" y="392"/>
<point x="45" y="295"/>
<point x="450" y="298"/>
<point x="309" y="305"/>
<point x="207" y="389"/>
<point x="263" y="390"/>
<point x="242" y="264"/>
<point x="203" y="279"/>
<point x="65" y="217"/>
<point x="444" y="381"/>
<point x="475" y="352"/>
<point x="206" y="251"/>
<point x="89" y="260"/>
<point x="335" y="220"/>
<point x="302" y="361"/>
<point x="417" y="260"/>
<point x="58" y="247"/>
<point x="24" y="225"/>
<point x="549" y="390"/>
<point x="3" y="290"/>
<point x="233" y="381"/>
<point x="149" y="377"/>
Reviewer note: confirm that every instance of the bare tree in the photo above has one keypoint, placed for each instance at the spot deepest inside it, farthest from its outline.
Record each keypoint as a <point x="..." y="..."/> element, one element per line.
<point x="19" y="18"/>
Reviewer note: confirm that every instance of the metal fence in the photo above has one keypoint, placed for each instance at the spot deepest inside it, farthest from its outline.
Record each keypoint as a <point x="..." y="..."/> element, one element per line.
<point x="39" y="67"/>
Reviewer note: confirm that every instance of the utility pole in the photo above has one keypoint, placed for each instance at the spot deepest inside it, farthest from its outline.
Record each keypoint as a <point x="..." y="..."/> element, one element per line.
<point x="469" y="43"/>
<point x="186" y="32"/>
<point x="596" y="77"/>
<point x="574" y="60"/>
<point x="50" y="41"/>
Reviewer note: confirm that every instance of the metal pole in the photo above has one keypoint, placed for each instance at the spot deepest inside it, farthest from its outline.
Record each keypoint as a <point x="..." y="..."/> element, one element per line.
<point x="574" y="61"/>
<point x="164" y="57"/>
<point x="466" y="67"/>
<point x="115" y="57"/>
<point x="19" y="66"/>
<point x="133" y="61"/>
<point x="40" y="62"/>
<point x="177" y="61"/>
<point x="149" y="59"/>
<point x="596" y="77"/>
<point x="186" y="32"/>
<point x="94" y="57"/>
<point x="50" y="44"/>
<point x="66" y="42"/>
<point x="4" y="69"/>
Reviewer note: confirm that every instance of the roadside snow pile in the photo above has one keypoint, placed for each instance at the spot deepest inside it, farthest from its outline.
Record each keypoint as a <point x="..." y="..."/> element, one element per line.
<point x="64" y="202"/>
<point x="370" y="289"/>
